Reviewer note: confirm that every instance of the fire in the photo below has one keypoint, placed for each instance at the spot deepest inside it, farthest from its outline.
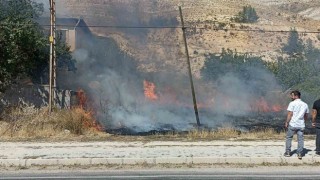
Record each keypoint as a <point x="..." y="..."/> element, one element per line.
<point x="261" y="105"/>
<point x="277" y="108"/>
<point x="168" y="96"/>
<point x="149" y="90"/>
<point x="82" y="99"/>
<point x="86" y="111"/>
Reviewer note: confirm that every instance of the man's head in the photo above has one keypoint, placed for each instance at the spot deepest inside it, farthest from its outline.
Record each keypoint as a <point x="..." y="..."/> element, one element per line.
<point x="295" y="95"/>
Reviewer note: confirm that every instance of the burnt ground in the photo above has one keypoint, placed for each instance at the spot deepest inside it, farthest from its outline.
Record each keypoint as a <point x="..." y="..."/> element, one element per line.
<point x="253" y="122"/>
<point x="267" y="121"/>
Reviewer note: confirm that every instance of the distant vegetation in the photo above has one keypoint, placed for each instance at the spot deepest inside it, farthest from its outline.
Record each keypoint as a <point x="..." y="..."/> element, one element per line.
<point x="244" y="67"/>
<point x="228" y="61"/>
<point x="24" y="49"/>
<point x="247" y="15"/>
<point x="294" y="45"/>
<point x="298" y="69"/>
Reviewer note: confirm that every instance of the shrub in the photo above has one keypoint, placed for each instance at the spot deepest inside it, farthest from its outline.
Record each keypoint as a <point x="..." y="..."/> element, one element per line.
<point x="247" y="15"/>
<point x="30" y="122"/>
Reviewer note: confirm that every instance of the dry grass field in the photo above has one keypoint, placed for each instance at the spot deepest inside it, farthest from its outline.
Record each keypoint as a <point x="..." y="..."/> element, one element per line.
<point x="213" y="30"/>
<point x="29" y="123"/>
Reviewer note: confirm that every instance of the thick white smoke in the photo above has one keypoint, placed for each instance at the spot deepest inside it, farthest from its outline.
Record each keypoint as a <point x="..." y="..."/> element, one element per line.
<point x="120" y="101"/>
<point x="115" y="85"/>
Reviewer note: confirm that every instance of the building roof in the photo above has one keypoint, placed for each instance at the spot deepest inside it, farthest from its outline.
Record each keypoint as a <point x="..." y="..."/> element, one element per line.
<point x="64" y="23"/>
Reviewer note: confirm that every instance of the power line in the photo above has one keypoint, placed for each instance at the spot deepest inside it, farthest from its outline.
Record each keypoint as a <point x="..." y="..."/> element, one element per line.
<point x="249" y="52"/>
<point x="261" y="30"/>
<point x="105" y="26"/>
<point x="170" y="27"/>
<point x="124" y="27"/>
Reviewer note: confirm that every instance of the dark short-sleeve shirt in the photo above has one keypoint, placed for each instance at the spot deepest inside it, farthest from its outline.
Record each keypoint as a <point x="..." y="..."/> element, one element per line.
<point x="316" y="106"/>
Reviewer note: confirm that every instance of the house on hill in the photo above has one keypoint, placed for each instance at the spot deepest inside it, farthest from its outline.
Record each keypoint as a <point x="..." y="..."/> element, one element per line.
<point x="73" y="31"/>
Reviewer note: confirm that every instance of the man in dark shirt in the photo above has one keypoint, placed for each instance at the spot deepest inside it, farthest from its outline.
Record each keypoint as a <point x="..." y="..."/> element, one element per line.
<point x="316" y="123"/>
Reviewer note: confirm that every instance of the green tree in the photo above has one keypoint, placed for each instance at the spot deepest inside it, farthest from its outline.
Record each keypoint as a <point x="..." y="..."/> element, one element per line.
<point x="300" y="67"/>
<point x="248" y="69"/>
<point x="310" y="89"/>
<point x="292" y="71"/>
<point x="24" y="50"/>
<point x="294" y="46"/>
<point x="247" y="15"/>
<point x="228" y="61"/>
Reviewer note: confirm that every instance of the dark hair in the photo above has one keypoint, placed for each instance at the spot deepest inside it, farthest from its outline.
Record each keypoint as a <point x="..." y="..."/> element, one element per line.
<point x="296" y="93"/>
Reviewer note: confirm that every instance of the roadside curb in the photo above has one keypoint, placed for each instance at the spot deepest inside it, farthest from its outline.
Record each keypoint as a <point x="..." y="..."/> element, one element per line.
<point x="159" y="160"/>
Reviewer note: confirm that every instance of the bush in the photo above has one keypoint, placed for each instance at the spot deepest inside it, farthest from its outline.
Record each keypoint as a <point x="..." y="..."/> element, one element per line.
<point x="294" y="45"/>
<point x="302" y="64"/>
<point x="251" y="71"/>
<point x="247" y="15"/>
<point x="29" y="122"/>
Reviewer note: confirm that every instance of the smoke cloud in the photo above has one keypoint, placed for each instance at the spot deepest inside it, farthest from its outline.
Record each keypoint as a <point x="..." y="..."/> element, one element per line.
<point x="61" y="11"/>
<point x="114" y="82"/>
<point x="120" y="101"/>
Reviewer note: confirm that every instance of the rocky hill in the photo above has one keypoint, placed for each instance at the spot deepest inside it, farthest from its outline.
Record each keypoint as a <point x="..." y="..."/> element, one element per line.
<point x="211" y="28"/>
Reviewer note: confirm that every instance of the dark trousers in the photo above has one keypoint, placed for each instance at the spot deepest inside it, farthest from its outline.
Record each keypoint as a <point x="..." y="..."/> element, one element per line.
<point x="318" y="139"/>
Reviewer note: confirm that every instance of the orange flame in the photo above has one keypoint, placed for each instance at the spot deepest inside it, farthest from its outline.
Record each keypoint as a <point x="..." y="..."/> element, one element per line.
<point x="262" y="105"/>
<point x="277" y="108"/>
<point x="170" y="97"/>
<point x="84" y="109"/>
<point x="82" y="99"/>
<point x="149" y="90"/>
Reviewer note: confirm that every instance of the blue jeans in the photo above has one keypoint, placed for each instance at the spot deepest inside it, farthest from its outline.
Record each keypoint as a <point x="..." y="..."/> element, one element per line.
<point x="291" y="131"/>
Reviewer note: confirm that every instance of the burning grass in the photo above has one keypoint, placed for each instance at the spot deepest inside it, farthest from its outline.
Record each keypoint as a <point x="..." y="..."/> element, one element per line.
<point x="28" y="122"/>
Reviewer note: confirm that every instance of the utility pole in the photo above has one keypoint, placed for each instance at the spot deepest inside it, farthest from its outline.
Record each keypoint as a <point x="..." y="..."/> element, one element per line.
<point x="54" y="67"/>
<point x="52" y="61"/>
<point x="189" y="69"/>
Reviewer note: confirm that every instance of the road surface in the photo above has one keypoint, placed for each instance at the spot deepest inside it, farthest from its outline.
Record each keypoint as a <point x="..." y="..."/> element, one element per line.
<point x="262" y="172"/>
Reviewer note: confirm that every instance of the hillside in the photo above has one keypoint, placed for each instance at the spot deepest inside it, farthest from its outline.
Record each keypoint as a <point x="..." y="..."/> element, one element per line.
<point x="158" y="49"/>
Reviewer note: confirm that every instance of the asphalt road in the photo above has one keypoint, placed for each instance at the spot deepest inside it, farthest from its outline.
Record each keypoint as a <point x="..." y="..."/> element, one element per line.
<point x="286" y="172"/>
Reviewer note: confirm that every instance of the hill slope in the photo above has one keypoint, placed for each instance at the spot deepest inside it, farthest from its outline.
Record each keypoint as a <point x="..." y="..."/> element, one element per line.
<point x="159" y="49"/>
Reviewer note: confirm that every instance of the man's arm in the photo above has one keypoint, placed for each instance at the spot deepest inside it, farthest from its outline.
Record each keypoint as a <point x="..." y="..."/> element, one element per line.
<point x="314" y="115"/>
<point x="289" y="116"/>
<point x="305" y="116"/>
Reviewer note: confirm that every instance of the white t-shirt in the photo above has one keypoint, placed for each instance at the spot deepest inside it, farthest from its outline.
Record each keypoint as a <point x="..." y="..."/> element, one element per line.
<point x="299" y="108"/>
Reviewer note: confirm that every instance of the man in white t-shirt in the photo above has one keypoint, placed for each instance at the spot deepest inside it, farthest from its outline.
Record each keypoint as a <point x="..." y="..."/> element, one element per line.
<point x="297" y="115"/>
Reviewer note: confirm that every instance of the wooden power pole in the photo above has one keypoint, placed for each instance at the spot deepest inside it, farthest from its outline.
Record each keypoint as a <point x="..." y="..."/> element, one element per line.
<point x="189" y="70"/>
<point x="54" y="68"/>
<point x="52" y="61"/>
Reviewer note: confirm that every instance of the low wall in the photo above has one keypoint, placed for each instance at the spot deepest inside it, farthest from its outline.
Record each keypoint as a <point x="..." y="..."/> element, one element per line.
<point x="37" y="95"/>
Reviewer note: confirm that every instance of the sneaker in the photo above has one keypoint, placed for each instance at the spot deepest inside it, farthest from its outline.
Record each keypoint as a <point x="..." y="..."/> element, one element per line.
<point x="299" y="156"/>
<point x="287" y="154"/>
